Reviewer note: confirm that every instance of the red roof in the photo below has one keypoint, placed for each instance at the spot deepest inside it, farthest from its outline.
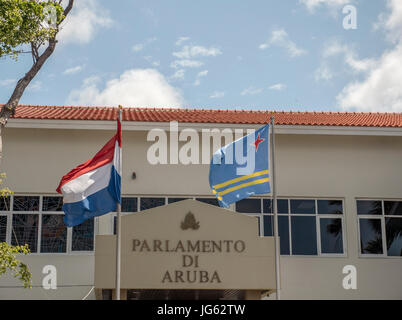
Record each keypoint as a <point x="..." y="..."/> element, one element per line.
<point x="211" y="116"/>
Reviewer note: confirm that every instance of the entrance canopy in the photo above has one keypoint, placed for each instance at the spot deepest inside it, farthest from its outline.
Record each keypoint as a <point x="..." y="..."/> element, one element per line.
<point x="187" y="245"/>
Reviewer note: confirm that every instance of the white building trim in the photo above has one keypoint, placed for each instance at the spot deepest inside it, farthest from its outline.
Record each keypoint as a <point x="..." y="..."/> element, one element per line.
<point x="146" y="126"/>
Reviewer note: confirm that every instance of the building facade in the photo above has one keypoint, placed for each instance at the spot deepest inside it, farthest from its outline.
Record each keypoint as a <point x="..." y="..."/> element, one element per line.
<point x="339" y="187"/>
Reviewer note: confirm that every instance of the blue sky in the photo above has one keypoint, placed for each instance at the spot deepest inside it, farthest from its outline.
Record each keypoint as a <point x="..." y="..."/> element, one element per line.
<point x="260" y="54"/>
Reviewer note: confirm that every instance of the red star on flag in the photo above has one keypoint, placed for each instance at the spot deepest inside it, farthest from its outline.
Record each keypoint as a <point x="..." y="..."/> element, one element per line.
<point x="257" y="142"/>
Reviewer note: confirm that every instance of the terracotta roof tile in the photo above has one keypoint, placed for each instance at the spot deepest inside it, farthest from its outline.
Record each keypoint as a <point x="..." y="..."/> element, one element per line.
<point x="211" y="116"/>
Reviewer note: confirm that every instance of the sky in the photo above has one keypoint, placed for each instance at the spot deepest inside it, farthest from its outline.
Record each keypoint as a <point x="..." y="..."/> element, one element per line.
<point x="226" y="54"/>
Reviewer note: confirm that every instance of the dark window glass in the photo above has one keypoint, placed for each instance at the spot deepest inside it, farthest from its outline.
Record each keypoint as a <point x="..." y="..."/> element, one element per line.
<point x="54" y="233"/>
<point x="267" y="206"/>
<point x="148" y="203"/>
<point x="129" y="204"/>
<point x="304" y="236"/>
<point x="283" y="230"/>
<point x="4" y="203"/>
<point x="115" y="224"/>
<point x="25" y="230"/>
<point x="330" y="206"/>
<point x="283" y="206"/>
<point x="283" y="224"/>
<point x="371" y="236"/>
<point x="393" y="230"/>
<point x="83" y="236"/>
<point x="26" y="203"/>
<point x="52" y="203"/>
<point x="212" y="201"/>
<point x="3" y="228"/>
<point x="302" y="206"/>
<point x="393" y="207"/>
<point x="331" y="235"/>
<point x="369" y="207"/>
<point x="259" y="228"/>
<point x="249" y="206"/>
<point x="173" y="200"/>
<point x="268" y="226"/>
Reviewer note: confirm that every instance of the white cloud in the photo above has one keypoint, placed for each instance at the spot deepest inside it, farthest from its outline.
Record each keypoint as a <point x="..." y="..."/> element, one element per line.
<point x="280" y="38"/>
<point x="251" y="91"/>
<point x="217" y="95"/>
<point x="7" y="82"/>
<point x="381" y="88"/>
<point x="84" y="20"/>
<point x="180" y="40"/>
<point x="186" y="64"/>
<point x="137" y="47"/>
<point x="140" y="46"/>
<point x="155" y="63"/>
<point x="313" y="4"/>
<point x="73" y="70"/>
<point x="135" y="88"/>
<point x="179" y="74"/>
<point x="200" y="74"/>
<point x="392" y="22"/>
<point x="188" y="52"/>
<point x="277" y="87"/>
<point x="349" y="57"/>
<point x="323" y="73"/>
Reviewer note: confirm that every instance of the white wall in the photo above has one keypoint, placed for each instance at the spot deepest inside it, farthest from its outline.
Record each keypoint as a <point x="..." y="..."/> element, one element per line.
<point x="307" y="166"/>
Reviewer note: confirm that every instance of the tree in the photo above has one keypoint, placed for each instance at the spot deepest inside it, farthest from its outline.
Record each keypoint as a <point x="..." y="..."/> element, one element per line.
<point x="26" y="26"/>
<point x="32" y="24"/>
<point x="8" y="253"/>
<point x="9" y="262"/>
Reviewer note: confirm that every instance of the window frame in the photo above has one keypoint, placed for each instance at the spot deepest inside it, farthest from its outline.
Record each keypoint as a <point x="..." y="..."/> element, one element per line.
<point x="40" y="213"/>
<point x="188" y="197"/>
<point x="317" y="216"/>
<point x="380" y="217"/>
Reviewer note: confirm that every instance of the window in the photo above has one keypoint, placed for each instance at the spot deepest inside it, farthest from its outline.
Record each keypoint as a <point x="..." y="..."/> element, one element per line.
<point x="25" y="230"/>
<point x="52" y="204"/>
<point x="83" y="236"/>
<point x="305" y="226"/>
<point x="380" y="227"/>
<point x="54" y="234"/>
<point x="4" y="209"/>
<point x="249" y="206"/>
<point x="304" y="235"/>
<point x="148" y="203"/>
<point x="3" y="228"/>
<point x="212" y="201"/>
<point x="5" y="204"/>
<point x="173" y="200"/>
<point x="39" y="222"/>
<point x="26" y="203"/>
<point x="129" y="204"/>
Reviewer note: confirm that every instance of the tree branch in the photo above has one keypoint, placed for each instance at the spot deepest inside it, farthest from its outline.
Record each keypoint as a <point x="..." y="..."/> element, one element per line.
<point x="39" y="60"/>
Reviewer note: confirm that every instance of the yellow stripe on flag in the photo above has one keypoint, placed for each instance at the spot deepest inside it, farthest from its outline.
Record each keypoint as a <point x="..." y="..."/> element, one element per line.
<point x="229" y="182"/>
<point x="240" y="186"/>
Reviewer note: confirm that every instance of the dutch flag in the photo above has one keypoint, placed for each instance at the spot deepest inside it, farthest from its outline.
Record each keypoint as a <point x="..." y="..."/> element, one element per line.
<point x="94" y="187"/>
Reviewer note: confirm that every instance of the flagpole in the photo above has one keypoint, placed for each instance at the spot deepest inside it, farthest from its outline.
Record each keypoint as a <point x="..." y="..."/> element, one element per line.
<point x="275" y="211"/>
<point x="118" y="229"/>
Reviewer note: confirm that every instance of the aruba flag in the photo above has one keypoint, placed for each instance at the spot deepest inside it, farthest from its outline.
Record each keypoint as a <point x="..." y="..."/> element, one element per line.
<point x="94" y="187"/>
<point x="241" y="169"/>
